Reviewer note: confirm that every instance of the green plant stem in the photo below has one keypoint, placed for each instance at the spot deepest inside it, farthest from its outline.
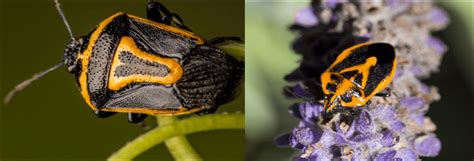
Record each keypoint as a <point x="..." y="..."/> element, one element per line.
<point x="182" y="127"/>
<point x="178" y="146"/>
<point x="235" y="49"/>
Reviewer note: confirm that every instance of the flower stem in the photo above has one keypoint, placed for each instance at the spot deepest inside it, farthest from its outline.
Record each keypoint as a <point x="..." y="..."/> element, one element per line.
<point x="235" y="49"/>
<point x="178" y="146"/>
<point x="178" y="128"/>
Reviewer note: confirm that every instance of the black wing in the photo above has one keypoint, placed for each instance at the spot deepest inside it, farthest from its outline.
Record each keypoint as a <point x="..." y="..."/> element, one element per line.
<point x="159" y="41"/>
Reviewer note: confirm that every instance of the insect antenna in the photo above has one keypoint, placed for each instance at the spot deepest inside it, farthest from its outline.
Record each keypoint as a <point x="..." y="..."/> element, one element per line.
<point x="63" y="16"/>
<point x="19" y="87"/>
<point x="27" y="82"/>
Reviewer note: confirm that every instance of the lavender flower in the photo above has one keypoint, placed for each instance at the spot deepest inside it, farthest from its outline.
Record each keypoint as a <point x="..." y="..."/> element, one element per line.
<point x="391" y="128"/>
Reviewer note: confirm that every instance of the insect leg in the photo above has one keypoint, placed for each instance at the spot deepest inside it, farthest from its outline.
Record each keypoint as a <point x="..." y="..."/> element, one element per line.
<point x="224" y="40"/>
<point x="178" y="21"/>
<point x="103" y="114"/>
<point x="136" y="117"/>
<point x="154" y="12"/>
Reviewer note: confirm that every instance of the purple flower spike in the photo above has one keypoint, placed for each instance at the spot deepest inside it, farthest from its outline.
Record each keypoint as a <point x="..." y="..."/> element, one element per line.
<point x="424" y="88"/>
<point x="438" y="16"/>
<point x="388" y="139"/>
<point x="364" y="123"/>
<point x="405" y="154"/>
<point x="341" y="140"/>
<point x="328" y="139"/>
<point x="295" y="111"/>
<point x="309" y="112"/>
<point x="436" y="44"/>
<point x="320" y="154"/>
<point x="294" y="143"/>
<point x="300" y="92"/>
<point x="307" y="135"/>
<point x="412" y="103"/>
<point x="351" y="131"/>
<point x="416" y="70"/>
<point x="385" y="156"/>
<point x="361" y="137"/>
<point x="398" y="73"/>
<point x="283" y="140"/>
<point x="417" y="118"/>
<point x="428" y="145"/>
<point x="385" y="113"/>
<point x="332" y="3"/>
<point x="390" y="128"/>
<point x="344" y="129"/>
<point x="306" y="18"/>
<point x="397" y="126"/>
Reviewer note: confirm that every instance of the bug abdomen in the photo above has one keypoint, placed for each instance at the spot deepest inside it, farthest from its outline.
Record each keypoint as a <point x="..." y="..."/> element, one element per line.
<point x="210" y="77"/>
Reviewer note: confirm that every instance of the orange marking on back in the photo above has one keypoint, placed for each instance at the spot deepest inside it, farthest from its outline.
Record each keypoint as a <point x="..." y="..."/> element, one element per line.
<point x="86" y="55"/>
<point x="128" y="44"/>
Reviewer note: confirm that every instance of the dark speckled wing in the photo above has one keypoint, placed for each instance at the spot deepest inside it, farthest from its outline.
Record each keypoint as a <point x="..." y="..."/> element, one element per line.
<point x="150" y="96"/>
<point x="158" y="41"/>
<point x="101" y="59"/>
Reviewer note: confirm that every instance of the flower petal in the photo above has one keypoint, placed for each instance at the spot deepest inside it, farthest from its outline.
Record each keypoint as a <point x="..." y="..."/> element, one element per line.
<point x="309" y="112"/>
<point x="412" y="103"/>
<point x="427" y="145"/>
<point x="436" y="44"/>
<point x="306" y="18"/>
<point x="385" y="156"/>
<point x="283" y="140"/>
<point x="307" y="135"/>
<point x="397" y="126"/>
<point x="406" y="154"/>
<point x="388" y="139"/>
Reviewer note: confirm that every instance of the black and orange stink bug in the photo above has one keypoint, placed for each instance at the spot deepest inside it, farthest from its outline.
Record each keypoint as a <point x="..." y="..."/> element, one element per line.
<point x="358" y="73"/>
<point x="154" y="66"/>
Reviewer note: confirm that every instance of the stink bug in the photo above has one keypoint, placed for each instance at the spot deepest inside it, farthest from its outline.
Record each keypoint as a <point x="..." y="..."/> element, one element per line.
<point x="358" y="73"/>
<point x="154" y="66"/>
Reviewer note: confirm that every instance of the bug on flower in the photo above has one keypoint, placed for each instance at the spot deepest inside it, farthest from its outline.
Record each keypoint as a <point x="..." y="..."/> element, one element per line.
<point x="154" y="66"/>
<point x="358" y="73"/>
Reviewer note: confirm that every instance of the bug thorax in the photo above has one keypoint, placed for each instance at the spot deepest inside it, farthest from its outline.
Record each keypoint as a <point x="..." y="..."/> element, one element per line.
<point x="70" y="55"/>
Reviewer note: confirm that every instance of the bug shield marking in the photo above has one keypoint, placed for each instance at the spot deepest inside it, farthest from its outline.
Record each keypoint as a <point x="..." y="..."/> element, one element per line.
<point x="132" y="65"/>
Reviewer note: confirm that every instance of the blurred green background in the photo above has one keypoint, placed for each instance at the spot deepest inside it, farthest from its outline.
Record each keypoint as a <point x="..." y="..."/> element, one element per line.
<point x="269" y="59"/>
<point x="50" y="121"/>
